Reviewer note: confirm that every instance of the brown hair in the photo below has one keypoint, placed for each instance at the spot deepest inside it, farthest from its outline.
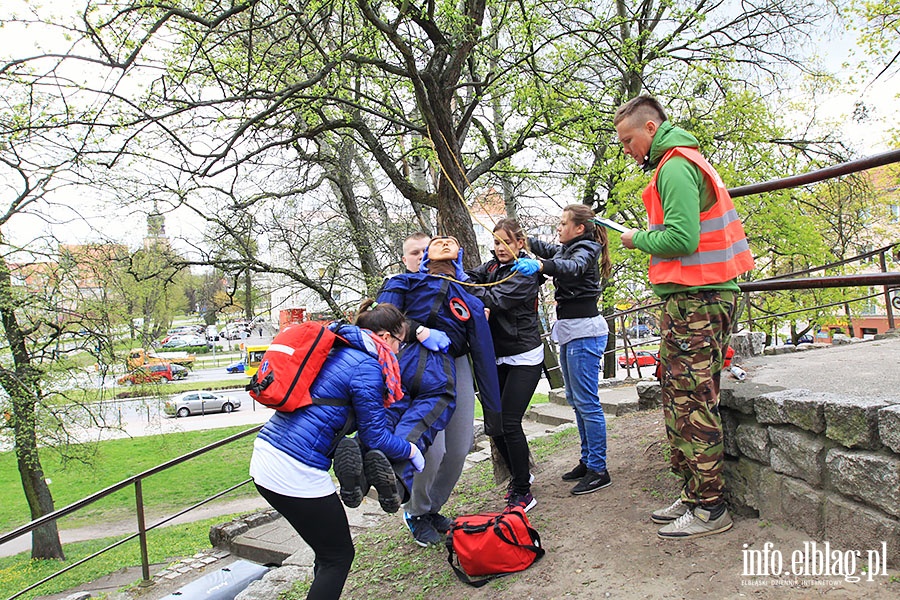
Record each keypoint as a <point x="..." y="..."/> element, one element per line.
<point x="647" y="108"/>
<point x="512" y="229"/>
<point x="382" y="316"/>
<point x="581" y="214"/>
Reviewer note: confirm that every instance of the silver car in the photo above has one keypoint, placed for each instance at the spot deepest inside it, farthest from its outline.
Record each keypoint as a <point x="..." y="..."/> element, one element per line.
<point x="200" y="403"/>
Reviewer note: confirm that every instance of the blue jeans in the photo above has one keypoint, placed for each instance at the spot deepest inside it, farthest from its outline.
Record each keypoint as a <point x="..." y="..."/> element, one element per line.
<point x="580" y="363"/>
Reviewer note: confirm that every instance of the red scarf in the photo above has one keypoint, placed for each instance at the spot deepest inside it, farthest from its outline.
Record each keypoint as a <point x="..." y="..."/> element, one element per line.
<point x="390" y="369"/>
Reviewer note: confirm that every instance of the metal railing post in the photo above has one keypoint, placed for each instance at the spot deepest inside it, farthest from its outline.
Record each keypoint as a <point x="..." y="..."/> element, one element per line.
<point x="887" y="292"/>
<point x="142" y="532"/>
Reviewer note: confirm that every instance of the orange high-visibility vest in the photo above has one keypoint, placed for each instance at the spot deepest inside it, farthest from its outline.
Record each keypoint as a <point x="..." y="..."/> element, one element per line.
<point x="723" y="252"/>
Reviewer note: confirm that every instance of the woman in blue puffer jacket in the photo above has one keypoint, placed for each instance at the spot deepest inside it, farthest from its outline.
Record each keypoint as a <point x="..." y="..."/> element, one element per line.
<point x="292" y="453"/>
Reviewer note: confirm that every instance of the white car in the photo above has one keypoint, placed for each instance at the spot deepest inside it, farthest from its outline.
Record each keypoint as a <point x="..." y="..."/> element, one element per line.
<point x="200" y="403"/>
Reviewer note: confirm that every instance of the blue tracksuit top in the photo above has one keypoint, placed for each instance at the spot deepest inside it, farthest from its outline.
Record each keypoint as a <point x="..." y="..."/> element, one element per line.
<point x="439" y="303"/>
<point x="351" y="372"/>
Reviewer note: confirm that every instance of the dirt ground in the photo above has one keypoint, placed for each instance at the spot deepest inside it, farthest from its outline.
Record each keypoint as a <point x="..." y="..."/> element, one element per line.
<point x="603" y="545"/>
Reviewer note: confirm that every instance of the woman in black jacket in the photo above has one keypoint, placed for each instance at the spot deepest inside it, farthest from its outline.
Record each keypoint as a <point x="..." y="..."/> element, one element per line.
<point x="517" y="344"/>
<point x="576" y="265"/>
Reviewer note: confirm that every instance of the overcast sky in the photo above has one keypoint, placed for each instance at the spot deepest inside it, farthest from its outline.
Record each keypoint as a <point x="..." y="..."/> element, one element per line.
<point x="868" y="138"/>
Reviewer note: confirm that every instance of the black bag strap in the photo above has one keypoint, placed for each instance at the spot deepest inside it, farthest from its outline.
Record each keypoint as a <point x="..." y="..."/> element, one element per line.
<point x="462" y="575"/>
<point x="501" y="529"/>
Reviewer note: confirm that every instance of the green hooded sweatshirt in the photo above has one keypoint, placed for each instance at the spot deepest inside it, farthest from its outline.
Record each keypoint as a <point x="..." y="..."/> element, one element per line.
<point x="685" y="193"/>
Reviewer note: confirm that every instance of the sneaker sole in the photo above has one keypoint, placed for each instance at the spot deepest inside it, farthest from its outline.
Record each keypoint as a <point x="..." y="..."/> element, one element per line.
<point x="531" y="505"/>
<point x="348" y="467"/>
<point x="592" y="490"/>
<point x="688" y="536"/>
<point x="662" y="520"/>
<point x="380" y="475"/>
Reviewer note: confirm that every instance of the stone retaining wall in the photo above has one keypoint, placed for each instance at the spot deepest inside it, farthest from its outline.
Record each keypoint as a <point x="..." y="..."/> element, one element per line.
<point x="826" y="464"/>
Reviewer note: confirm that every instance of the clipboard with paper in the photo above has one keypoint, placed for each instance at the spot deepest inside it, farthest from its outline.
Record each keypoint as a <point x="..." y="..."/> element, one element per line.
<point x="610" y="224"/>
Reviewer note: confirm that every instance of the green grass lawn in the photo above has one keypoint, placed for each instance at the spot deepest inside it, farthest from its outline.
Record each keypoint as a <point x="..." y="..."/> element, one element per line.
<point x="114" y="460"/>
<point x="165" y="544"/>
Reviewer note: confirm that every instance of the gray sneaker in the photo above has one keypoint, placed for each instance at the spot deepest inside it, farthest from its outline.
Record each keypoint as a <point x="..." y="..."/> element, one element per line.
<point x="696" y="523"/>
<point x="670" y="513"/>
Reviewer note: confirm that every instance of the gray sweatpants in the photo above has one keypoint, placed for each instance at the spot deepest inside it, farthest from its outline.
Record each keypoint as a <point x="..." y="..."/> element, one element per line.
<point x="445" y="458"/>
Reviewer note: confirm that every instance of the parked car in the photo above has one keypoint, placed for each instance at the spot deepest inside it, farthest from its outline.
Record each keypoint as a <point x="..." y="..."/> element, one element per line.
<point x="200" y="403"/>
<point x="804" y="339"/>
<point x="161" y="373"/>
<point x="184" y="342"/>
<point x="636" y="331"/>
<point x="641" y="358"/>
<point x="237" y="367"/>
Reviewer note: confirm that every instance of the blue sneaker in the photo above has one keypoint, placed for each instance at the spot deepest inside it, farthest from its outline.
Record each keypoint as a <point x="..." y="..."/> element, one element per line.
<point x="422" y="530"/>
<point x="440" y="522"/>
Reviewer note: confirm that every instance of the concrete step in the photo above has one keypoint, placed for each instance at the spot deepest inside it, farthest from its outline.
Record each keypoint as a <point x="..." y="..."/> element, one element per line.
<point x="616" y="400"/>
<point x="550" y="413"/>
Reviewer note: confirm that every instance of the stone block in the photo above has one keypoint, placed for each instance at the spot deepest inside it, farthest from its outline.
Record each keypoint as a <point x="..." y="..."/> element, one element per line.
<point x="748" y="343"/>
<point x="797" y="454"/>
<point x="275" y="583"/>
<point x="742" y="484"/>
<point x="803" y="507"/>
<point x="730" y="421"/>
<point x="806" y="409"/>
<point x="558" y="396"/>
<point x="771" y="494"/>
<point x="889" y="427"/>
<point x="866" y="476"/>
<point x="770" y="409"/>
<point x="221" y="535"/>
<point x="740" y="399"/>
<point x="753" y="441"/>
<point x="649" y="394"/>
<point x="853" y="422"/>
<point x="855" y="526"/>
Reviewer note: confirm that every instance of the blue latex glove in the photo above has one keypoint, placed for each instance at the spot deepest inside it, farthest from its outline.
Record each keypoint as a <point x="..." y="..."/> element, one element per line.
<point x="458" y="265"/>
<point x="437" y="341"/>
<point x="416" y="458"/>
<point x="423" y="264"/>
<point x="526" y="266"/>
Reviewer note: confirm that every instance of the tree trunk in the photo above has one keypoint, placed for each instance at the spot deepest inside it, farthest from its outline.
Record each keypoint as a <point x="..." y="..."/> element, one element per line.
<point x="22" y="387"/>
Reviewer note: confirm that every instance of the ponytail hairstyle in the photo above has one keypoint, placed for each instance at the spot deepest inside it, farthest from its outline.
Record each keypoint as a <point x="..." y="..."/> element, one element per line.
<point x="382" y="316"/>
<point x="581" y="214"/>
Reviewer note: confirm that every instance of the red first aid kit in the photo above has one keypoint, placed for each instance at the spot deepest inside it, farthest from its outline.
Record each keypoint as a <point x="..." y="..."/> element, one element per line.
<point x="491" y="545"/>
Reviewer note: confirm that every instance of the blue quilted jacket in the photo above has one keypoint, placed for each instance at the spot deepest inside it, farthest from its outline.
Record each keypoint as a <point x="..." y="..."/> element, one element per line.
<point x="351" y="372"/>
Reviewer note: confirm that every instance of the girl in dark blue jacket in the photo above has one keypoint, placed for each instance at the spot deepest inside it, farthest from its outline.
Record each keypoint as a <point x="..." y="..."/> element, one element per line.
<point x="292" y="453"/>
<point x="513" y="320"/>
<point x="576" y="265"/>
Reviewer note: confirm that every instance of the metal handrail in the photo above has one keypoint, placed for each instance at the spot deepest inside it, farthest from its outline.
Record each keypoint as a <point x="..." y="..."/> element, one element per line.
<point x="136" y="481"/>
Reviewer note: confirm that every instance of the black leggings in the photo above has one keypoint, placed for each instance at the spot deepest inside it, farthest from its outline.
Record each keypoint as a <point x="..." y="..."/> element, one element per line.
<point x="517" y="385"/>
<point x="322" y="523"/>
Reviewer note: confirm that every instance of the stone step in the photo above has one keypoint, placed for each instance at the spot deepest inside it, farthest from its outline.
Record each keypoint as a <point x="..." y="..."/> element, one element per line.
<point x="550" y="413"/>
<point x="616" y="400"/>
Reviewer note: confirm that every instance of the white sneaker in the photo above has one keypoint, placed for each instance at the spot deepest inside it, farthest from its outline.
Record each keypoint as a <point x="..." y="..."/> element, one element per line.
<point x="696" y="523"/>
<point x="670" y="513"/>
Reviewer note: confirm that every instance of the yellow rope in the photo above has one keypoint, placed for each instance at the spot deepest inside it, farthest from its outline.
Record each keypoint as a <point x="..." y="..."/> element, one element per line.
<point x="466" y="206"/>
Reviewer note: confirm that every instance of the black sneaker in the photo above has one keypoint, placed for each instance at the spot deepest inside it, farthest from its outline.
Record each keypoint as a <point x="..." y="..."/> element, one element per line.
<point x="380" y="475"/>
<point x="591" y="482"/>
<point x="576" y="473"/>
<point x="423" y="530"/>
<point x="440" y="522"/>
<point x="348" y="468"/>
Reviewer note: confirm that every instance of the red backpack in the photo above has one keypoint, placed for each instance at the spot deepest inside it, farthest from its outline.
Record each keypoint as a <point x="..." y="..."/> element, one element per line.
<point x="290" y="365"/>
<point x="492" y="545"/>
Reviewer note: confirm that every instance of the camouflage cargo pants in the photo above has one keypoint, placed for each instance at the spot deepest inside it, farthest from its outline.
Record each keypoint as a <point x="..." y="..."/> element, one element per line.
<point x="696" y="330"/>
